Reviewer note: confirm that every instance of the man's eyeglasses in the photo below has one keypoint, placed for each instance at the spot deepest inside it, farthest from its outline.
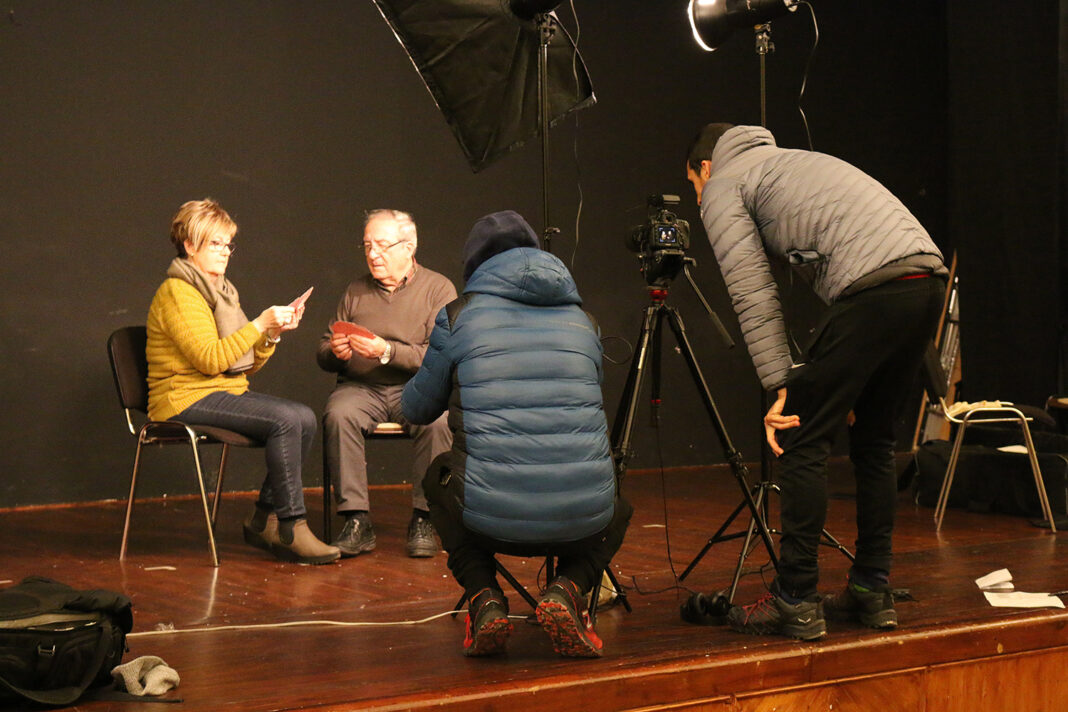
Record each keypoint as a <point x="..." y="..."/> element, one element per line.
<point x="220" y="246"/>
<point x="369" y="246"/>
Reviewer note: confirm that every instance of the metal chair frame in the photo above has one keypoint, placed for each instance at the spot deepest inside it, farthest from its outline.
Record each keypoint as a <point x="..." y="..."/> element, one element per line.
<point x="1004" y="413"/>
<point x="126" y="352"/>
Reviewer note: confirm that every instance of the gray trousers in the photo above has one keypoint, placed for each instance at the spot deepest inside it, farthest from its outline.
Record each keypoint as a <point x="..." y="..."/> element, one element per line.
<point x="356" y="408"/>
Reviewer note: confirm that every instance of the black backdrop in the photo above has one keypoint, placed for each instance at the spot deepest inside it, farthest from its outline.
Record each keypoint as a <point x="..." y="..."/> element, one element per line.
<point x="297" y="116"/>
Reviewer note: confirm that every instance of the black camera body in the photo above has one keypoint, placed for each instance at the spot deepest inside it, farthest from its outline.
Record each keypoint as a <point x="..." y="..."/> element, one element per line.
<point x="661" y="241"/>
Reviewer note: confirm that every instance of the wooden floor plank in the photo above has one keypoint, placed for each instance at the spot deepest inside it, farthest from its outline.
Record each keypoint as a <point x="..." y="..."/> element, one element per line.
<point x="652" y="658"/>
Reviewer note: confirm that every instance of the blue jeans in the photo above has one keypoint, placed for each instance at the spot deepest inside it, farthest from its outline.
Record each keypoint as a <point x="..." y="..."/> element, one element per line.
<point x="286" y="427"/>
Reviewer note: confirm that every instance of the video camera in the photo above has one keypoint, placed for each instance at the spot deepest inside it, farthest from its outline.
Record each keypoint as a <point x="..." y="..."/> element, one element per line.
<point x="661" y="241"/>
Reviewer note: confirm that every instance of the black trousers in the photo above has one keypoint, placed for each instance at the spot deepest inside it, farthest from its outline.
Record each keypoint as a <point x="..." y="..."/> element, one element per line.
<point x="864" y="359"/>
<point x="471" y="555"/>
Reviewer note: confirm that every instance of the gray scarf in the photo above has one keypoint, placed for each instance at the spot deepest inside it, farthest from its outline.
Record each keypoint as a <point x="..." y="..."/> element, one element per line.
<point x="221" y="296"/>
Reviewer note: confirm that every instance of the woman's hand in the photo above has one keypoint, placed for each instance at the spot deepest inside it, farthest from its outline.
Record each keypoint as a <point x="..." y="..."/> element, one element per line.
<point x="274" y="318"/>
<point x="294" y="321"/>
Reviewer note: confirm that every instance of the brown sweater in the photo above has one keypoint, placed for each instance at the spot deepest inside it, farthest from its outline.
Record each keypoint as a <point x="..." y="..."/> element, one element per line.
<point x="403" y="317"/>
<point x="186" y="357"/>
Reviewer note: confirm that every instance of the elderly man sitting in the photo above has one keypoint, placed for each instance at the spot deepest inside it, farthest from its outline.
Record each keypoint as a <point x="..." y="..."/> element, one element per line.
<point x="376" y="344"/>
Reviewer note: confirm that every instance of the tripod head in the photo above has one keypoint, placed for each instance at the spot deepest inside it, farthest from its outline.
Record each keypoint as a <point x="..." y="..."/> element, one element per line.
<point x="658" y="293"/>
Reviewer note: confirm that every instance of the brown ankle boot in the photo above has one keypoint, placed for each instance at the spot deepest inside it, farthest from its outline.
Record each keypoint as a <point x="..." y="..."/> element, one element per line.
<point x="303" y="547"/>
<point x="261" y="530"/>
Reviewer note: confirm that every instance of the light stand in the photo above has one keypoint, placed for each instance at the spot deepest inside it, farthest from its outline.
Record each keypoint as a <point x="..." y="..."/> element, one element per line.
<point x="546" y="30"/>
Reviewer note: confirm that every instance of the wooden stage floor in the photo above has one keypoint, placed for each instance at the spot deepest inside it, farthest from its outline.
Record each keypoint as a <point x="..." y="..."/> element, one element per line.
<point x="952" y="650"/>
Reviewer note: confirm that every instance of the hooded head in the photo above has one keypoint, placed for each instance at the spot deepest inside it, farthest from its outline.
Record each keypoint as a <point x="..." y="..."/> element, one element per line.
<point x="493" y="234"/>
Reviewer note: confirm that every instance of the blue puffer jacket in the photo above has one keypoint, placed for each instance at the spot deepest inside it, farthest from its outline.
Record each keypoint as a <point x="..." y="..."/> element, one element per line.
<point x="520" y="370"/>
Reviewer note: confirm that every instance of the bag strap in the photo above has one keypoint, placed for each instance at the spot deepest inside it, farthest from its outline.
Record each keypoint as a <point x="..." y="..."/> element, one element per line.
<point x="453" y="308"/>
<point x="67" y="695"/>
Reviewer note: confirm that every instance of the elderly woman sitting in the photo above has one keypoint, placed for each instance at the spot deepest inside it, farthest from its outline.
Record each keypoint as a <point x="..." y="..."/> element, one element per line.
<point x="201" y="350"/>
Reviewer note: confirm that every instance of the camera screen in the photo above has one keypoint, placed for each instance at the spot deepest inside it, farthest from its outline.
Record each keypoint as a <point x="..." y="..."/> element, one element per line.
<point x="665" y="235"/>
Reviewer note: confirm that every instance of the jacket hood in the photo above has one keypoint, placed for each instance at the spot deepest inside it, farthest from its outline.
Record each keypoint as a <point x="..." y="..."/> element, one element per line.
<point x="526" y="275"/>
<point x="736" y="141"/>
<point x="493" y="234"/>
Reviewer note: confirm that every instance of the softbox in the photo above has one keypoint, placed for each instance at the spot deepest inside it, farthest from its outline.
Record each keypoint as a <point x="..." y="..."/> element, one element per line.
<point x="480" y="63"/>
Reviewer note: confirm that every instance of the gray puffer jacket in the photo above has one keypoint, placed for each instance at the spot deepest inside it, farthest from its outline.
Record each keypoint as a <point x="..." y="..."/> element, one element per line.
<point x="840" y="227"/>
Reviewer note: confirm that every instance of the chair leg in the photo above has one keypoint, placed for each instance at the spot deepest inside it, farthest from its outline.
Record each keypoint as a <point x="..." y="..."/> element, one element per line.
<point x="459" y="604"/>
<point x="519" y="588"/>
<point x="219" y="485"/>
<point x="947" y="481"/>
<point x="1040" y="484"/>
<point x="130" y="500"/>
<point x="595" y="594"/>
<point x="327" y="504"/>
<point x="204" y="501"/>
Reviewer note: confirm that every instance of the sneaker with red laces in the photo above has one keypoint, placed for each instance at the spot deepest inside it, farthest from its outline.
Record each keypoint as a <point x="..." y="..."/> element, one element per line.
<point x="571" y="632"/>
<point x="772" y="615"/>
<point x="487" y="626"/>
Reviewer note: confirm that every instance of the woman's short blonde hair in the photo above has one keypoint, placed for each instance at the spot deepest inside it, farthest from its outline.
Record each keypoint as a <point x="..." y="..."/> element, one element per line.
<point x="198" y="221"/>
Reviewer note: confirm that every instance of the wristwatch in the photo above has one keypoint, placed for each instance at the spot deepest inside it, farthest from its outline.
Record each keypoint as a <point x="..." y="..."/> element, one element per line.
<point x="386" y="355"/>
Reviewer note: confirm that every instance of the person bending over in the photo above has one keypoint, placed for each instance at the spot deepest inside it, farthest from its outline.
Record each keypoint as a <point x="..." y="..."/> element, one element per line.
<point x="201" y="350"/>
<point x="517" y="365"/>
<point x="870" y="260"/>
<point x="395" y="305"/>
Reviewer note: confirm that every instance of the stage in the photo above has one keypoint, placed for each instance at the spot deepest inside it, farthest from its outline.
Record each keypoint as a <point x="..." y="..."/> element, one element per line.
<point x="218" y="627"/>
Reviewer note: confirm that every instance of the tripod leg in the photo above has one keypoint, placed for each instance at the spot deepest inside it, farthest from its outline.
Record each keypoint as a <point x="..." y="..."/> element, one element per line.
<point x="834" y="543"/>
<point x="734" y="458"/>
<point x="654" y="396"/>
<point x="628" y="404"/>
<point x="714" y="539"/>
<point x="761" y="503"/>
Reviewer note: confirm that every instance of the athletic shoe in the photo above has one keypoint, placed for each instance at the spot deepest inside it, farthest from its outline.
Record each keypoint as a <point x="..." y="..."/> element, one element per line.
<point x="421" y="541"/>
<point x="771" y="615"/>
<point x="873" y="607"/>
<point x="571" y="632"/>
<point x="357" y="536"/>
<point x="487" y="626"/>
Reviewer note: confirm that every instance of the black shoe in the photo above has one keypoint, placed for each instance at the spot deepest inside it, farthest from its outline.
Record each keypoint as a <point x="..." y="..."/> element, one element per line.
<point x="872" y="607"/>
<point x="771" y="615"/>
<point x="487" y="627"/>
<point x="421" y="542"/>
<point x="571" y="632"/>
<point x="357" y="536"/>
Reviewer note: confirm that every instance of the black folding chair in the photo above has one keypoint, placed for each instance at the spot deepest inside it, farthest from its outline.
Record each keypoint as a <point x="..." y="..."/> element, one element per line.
<point x="129" y="366"/>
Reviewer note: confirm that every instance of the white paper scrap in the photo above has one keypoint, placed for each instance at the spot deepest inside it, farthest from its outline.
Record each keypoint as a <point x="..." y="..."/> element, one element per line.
<point x="1020" y="599"/>
<point x="1000" y="580"/>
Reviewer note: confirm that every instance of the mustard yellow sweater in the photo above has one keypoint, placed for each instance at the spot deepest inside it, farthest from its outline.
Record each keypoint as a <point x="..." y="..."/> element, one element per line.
<point x="186" y="357"/>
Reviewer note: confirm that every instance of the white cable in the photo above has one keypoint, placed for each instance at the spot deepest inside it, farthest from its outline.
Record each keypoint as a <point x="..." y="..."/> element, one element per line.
<point x="292" y="624"/>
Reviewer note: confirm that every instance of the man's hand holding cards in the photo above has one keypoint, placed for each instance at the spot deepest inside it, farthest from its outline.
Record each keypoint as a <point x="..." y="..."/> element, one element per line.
<point x="349" y="338"/>
<point x="349" y="329"/>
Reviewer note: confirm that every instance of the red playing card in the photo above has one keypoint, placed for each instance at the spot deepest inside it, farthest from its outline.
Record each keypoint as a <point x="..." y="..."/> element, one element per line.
<point x="299" y="301"/>
<point x="348" y="328"/>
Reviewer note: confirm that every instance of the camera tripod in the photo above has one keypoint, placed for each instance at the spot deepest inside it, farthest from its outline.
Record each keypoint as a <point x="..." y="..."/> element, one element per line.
<point x="649" y="347"/>
<point x="648" y="350"/>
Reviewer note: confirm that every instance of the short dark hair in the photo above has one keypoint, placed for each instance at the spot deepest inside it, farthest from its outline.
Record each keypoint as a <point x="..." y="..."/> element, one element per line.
<point x="704" y="143"/>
